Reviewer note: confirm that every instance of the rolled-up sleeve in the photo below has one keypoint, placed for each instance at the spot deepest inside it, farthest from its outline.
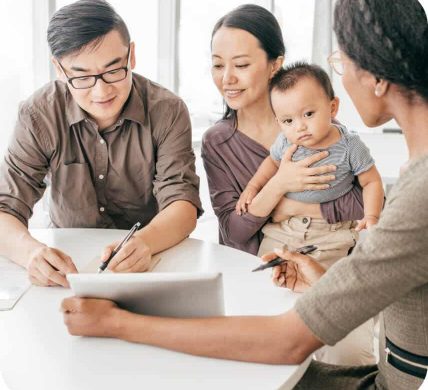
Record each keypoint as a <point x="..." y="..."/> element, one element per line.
<point x="24" y="168"/>
<point x="175" y="175"/>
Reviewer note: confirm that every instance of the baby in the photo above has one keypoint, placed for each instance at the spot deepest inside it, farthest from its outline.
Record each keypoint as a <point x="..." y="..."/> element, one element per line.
<point x="304" y="104"/>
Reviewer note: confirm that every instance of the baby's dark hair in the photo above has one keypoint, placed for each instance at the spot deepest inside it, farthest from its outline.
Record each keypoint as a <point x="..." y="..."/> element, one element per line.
<point x="288" y="77"/>
<point x="388" y="39"/>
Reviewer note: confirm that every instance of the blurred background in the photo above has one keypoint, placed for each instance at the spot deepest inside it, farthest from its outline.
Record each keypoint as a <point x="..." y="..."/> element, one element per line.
<point x="172" y="40"/>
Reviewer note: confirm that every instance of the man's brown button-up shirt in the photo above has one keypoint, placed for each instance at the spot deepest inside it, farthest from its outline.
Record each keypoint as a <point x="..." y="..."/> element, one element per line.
<point x="110" y="178"/>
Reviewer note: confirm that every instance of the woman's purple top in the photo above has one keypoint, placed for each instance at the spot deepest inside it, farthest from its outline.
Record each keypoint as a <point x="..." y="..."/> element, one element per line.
<point x="230" y="160"/>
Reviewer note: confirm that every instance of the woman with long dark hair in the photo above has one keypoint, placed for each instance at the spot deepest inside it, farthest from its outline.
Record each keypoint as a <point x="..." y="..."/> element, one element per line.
<point x="247" y="50"/>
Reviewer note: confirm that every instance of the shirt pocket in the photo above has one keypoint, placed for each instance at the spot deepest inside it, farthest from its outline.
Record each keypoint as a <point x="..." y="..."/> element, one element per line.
<point x="133" y="188"/>
<point x="73" y="188"/>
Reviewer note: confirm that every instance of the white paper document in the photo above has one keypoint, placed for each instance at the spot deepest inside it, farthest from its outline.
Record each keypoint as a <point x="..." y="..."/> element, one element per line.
<point x="93" y="265"/>
<point x="13" y="283"/>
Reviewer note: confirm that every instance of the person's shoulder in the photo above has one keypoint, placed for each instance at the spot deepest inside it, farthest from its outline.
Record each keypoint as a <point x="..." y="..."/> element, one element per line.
<point x="155" y="95"/>
<point x="410" y="193"/>
<point x="414" y="175"/>
<point x="46" y="100"/>
<point x="220" y="132"/>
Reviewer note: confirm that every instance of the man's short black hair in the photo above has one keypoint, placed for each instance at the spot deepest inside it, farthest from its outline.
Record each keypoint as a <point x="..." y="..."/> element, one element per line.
<point x="288" y="77"/>
<point x="84" y="22"/>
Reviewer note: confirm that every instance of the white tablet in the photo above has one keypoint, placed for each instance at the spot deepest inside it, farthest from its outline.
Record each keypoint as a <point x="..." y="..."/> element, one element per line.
<point x="159" y="294"/>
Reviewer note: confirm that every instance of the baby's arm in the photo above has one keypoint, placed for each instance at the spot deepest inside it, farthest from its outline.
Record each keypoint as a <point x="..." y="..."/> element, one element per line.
<point x="266" y="171"/>
<point x="373" y="197"/>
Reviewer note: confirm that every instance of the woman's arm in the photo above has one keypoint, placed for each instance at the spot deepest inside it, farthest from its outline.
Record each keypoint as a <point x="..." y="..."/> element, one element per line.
<point x="224" y="194"/>
<point x="281" y="339"/>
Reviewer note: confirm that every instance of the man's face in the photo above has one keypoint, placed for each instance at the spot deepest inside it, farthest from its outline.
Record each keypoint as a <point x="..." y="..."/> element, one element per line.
<point x="103" y="102"/>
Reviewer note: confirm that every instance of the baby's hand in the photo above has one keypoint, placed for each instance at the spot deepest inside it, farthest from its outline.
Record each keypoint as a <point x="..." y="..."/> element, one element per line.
<point x="366" y="222"/>
<point x="245" y="199"/>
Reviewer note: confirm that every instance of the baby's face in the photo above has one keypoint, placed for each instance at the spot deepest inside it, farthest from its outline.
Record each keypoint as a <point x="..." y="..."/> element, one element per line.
<point x="304" y="113"/>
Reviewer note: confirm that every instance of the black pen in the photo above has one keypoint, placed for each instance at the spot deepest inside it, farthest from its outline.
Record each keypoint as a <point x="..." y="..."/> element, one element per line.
<point x="304" y="250"/>
<point x="104" y="265"/>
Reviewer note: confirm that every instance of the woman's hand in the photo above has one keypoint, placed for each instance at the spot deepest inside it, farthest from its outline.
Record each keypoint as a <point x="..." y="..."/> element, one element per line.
<point x="299" y="176"/>
<point x="298" y="273"/>
<point x="90" y="317"/>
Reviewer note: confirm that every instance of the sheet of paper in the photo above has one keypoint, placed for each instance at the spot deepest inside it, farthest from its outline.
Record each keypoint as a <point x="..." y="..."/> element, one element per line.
<point x="92" y="266"/>
<point x="13" y="283"/>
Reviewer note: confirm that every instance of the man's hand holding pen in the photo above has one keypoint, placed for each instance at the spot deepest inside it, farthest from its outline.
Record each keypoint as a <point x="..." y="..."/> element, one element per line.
<point x="298" y="273"/>
<point x="134" y="256"/>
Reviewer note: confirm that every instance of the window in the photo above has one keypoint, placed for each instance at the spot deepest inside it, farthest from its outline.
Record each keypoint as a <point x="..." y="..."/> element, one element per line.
<point x="195" y="86"/>
<point x="16" y="66"/>
<point x="296" y="19"/>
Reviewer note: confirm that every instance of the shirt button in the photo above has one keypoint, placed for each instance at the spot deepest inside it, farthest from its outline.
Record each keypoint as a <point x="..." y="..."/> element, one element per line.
<point x="305" y="220"/>
<point x="101" y="177"/>
<point x="102" y="142"/>
<point x="102" y="209"/>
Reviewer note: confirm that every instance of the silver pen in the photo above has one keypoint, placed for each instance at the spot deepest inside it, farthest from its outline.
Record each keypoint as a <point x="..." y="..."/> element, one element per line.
<point x="304" y="250"/>
<point x="104" y="265"/>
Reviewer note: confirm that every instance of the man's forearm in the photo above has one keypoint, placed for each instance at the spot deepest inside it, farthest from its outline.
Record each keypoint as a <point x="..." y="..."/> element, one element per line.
<point x="16" y="241"/>
<point x="170" y="226"/>
<point x="282" y="339"/>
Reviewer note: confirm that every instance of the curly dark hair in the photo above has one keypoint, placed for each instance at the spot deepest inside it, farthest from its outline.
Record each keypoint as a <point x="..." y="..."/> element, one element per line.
<point x="388" y="39"/>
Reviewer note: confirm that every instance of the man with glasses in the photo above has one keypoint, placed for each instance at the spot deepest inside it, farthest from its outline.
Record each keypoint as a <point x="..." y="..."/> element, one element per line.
<point x="114" y="146"/>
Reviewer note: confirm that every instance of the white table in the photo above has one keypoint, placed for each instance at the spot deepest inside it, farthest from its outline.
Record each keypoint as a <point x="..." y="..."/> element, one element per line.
<point x="36" y="352"/>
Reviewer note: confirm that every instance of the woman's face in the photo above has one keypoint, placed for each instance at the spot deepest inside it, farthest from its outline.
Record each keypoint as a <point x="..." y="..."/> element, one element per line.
<point x="240" y="67"/>
<point x="360" y="86"/>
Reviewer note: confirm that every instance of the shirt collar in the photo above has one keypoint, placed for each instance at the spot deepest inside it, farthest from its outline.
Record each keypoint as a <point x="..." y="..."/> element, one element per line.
<point x="133" y="109"/>
<point x="74" y="113"/>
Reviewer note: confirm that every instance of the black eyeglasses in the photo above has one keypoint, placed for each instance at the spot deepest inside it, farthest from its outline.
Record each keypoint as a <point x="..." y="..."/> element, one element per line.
<point x="109" y="77"/>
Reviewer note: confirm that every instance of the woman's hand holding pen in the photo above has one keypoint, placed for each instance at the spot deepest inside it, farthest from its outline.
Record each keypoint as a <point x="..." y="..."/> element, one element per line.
<point x="298" y="273"/>
<point x="134" y="256"/>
